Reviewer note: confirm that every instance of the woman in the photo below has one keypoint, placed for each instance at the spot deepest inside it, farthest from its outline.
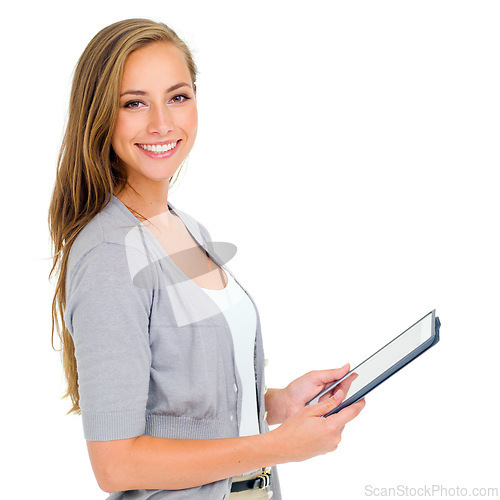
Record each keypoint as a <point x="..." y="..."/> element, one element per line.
<point x="162" y="346"/>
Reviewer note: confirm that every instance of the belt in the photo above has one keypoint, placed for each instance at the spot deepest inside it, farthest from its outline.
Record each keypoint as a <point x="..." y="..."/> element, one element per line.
<point x="258" y="483"/>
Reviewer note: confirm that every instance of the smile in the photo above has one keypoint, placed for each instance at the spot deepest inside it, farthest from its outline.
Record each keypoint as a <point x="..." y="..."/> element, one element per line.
<point x="158" y="148"/>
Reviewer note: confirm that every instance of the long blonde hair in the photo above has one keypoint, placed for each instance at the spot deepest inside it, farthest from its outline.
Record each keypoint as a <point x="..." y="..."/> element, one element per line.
<point x="88" y="170"/>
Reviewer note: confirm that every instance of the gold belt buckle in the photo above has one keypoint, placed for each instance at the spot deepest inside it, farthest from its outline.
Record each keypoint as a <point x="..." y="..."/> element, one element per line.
<point x="265" y="476"/>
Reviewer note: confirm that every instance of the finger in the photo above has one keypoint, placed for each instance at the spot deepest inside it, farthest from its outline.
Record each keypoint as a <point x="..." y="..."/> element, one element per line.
<point x="337" y="392"/>
<point x="346" y="383"/>
<point x="328" y="376"/>
<point x="349" y="413"/>
<point x="326" y="406"/>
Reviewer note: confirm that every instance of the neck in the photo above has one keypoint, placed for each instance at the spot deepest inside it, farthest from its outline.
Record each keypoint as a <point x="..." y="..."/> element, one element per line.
<point x="149" y="201"/>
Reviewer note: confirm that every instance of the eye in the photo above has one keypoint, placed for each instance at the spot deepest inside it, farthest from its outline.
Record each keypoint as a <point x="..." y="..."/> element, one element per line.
<point x="133" y="104"/>
<point x="179" y="98"/>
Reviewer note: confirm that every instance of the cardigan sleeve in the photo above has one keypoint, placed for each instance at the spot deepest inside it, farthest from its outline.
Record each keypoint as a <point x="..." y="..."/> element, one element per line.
<point x="108" y="318"/>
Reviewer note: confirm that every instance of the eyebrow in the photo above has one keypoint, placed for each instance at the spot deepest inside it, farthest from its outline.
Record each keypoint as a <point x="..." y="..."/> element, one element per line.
<point x="170" y="89"/>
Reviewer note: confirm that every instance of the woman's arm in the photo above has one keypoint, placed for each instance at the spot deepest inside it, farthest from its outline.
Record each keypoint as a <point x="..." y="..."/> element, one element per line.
<point x="148" y="462"/>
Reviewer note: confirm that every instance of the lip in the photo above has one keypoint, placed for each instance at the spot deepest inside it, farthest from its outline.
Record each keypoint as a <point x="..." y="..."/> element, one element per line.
<point x="159" y="156"/>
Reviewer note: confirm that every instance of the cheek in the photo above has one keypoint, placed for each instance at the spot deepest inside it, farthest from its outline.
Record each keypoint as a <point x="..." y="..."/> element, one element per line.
<point x="129" y="124"/>
<point x="117" y="132"/>
<point x="190" y="123"/>
<point x="122" y="134"/>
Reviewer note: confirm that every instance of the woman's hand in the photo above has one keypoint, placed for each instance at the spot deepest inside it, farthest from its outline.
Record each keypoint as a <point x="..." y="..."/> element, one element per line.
<point x="307" y="433"/>
<point x="281" y="404"/>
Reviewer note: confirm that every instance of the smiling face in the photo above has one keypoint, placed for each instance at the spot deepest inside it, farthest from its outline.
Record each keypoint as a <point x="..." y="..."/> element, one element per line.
<point x="157" y="118"/>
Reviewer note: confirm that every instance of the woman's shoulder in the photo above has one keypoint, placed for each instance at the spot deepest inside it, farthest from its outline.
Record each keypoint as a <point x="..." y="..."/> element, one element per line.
<point x="114" y="234"/>
<point x="110" y="228"/>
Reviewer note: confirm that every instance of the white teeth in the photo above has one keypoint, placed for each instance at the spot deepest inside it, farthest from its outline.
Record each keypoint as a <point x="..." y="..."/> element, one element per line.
<point x="158" y="148"/>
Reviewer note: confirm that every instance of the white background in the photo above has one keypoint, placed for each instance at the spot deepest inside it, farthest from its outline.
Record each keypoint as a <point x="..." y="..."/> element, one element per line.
<point x="350" y="150"/>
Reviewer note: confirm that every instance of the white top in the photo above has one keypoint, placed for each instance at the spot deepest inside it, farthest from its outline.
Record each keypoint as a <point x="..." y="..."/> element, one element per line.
<point x="242" y="319"/>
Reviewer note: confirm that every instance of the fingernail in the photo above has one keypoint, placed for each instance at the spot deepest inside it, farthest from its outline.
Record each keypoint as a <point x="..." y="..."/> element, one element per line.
<point x="337" y="395"/>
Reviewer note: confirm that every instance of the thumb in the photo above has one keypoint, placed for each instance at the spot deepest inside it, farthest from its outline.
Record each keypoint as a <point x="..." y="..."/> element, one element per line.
<point x="326" y="406"/>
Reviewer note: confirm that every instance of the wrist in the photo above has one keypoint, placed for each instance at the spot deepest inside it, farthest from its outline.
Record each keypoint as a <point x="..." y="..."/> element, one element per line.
<point x="275" y="400"/>
<point x="272" y="442"/>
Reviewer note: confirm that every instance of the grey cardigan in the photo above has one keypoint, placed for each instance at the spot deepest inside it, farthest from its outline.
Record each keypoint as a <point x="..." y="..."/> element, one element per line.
<point x="154" y="353"/>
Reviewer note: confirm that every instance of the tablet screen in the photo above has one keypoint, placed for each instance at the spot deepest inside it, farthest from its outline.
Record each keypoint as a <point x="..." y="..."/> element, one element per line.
<point x="386" y="361"/>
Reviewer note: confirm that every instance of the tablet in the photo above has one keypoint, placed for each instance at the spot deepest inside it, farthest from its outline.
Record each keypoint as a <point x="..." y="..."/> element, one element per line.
<point x="385" y="362"/>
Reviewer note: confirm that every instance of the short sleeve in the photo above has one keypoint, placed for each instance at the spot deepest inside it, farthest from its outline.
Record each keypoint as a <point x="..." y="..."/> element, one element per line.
<point x="108" y="318"/>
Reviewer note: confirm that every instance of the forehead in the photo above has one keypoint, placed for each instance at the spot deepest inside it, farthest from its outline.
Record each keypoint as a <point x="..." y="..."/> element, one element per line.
<point x="159" y="63"/>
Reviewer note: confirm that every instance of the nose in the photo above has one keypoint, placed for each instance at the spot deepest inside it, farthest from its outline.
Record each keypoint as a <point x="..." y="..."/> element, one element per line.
<point x="160" y="122"/>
